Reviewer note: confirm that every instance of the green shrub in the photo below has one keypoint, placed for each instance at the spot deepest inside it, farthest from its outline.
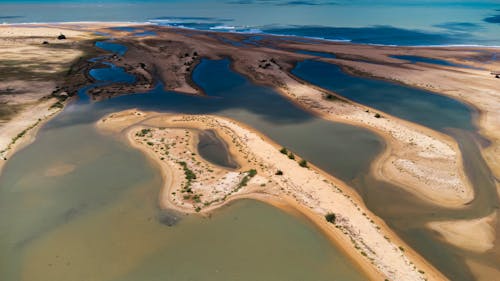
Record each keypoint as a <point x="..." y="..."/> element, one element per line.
<point x="252" y="172"/>
<point x="279" y="173"/>
<point x="303" y="163"/>
<point x="143" y="132"/>
<point x="291" y="156"/>
<point x="284" y="150"/>
<point x="330" y="217"/>
<point x="377" y="115"/>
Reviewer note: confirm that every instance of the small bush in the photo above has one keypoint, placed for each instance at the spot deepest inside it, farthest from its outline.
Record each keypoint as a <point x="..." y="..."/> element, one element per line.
<point x="377" y="115"/>
<point x="303" y="163"/>
<point x="252" y="172"/>
<point x="279" y="173"/>
<point x="330" y="97"/>
<point x="330" y="217"/>
<point x="284" y="150"/>
<point x="291" y="156"/>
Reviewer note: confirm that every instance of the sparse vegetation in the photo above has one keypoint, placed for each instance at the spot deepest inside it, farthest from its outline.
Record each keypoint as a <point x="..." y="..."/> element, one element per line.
<point x="279" y="173"/>
<point x="291" y="156"/>
<point x="377" y="115"/>
<point x="143" y="132"/>
<point x="330" y="97"/>
<point x="330" y="217"/>
<point x="284" y="150"/>
<point x="303" y="163"/>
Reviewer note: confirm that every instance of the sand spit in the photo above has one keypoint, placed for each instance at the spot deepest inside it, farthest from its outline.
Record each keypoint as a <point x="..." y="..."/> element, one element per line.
<point x="194" y="185"/>
<point x="33" y="66"/>
<point x="474" y="87"/>
<point x="425" y="162"/>
<point x="459" y="232"/>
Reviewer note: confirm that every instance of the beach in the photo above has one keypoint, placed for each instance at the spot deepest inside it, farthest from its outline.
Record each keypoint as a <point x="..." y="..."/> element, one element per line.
<point x="298" y="187"/>
<point x="425" y="162"/>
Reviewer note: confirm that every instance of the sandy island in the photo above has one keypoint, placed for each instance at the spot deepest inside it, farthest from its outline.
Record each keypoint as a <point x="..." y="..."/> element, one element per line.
<point x="192" y="184"/>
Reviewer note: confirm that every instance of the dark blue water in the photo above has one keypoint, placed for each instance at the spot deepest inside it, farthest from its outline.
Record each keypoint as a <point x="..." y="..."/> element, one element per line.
<point x="145" y="33"/>
<point x="379" y="35"/>
<point x="316" y="54"/>
<point x="419" y="106"/>
<point x="112" y="47"/>
<point x="415" y="59"/>
<point x="112" y="74"/>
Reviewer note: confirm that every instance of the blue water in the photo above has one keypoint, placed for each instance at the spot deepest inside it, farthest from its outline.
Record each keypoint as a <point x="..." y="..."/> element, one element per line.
<point x="316" y="54"/>
<point x="112" y="47"/>
<point x="259" y="107"/>
<point x="415" y="59"/>
<point x="419" y="106"/>
<point x="389" y="22"/>
<point x="112" y="74"/>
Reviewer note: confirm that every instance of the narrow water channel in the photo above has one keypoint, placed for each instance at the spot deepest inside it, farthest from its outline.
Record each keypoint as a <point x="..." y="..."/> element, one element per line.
<point x="392" y="203"/>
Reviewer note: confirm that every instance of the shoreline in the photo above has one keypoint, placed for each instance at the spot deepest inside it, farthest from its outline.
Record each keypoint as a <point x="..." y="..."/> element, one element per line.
<point x="123" y="127"/>
<point x="377" y="164"/>
<point x="342" y="41"/>
<point x="40" y="91"/>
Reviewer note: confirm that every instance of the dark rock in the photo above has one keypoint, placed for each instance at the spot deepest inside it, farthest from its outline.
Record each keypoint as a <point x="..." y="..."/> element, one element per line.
<point x="61" y="37"/>
<point x="45" y="42"/>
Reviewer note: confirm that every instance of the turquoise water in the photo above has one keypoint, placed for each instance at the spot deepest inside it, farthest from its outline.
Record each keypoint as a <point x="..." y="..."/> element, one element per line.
<point x="414" y="22"/>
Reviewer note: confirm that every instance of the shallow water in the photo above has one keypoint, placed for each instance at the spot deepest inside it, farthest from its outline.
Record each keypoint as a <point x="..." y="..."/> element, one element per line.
<point x="77" y="205"/>
<point x="423" y="107"/>
<point x="262" y="108"/>
<point x="392" y="203"/>
<point x="214" y="149"/>
<point x="415" y="59"/>
<point x="316" y="54"/>
<point x="100" y="221"/>
<point x="112" y="74"/>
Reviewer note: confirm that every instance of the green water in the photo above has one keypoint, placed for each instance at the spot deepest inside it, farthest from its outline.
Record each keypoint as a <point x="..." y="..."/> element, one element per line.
<point x="100" y="221"/>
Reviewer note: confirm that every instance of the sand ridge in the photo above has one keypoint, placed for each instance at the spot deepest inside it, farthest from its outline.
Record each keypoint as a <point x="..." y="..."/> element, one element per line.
<point x="305" y="187"/>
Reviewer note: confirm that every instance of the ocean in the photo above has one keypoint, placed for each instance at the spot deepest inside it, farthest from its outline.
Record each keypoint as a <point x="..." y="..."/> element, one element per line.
<point x="385" y="22"/>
